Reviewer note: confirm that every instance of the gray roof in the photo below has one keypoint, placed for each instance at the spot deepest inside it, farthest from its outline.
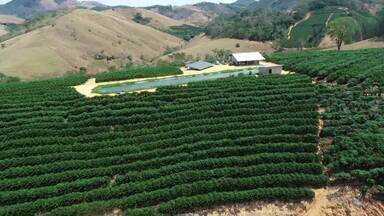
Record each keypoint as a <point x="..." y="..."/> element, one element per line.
<point x="200" y="65"/>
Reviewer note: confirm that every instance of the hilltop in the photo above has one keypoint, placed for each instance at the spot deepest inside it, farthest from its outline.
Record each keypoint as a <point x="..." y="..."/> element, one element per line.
<point x="155" y="20"/>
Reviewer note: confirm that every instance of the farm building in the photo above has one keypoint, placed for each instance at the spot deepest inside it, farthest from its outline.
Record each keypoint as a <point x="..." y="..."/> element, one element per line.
<point x="270" y="68"/>
<point x="248" y="58"/>
<point x="199" y="65"/>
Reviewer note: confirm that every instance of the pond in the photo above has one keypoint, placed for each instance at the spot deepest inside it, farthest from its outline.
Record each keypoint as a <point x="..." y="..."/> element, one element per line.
<point x="176" y="80"/>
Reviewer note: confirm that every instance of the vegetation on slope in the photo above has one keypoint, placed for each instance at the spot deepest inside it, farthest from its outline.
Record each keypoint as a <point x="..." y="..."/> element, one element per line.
<point x="353" y="120"/>
<point x="77" y="40"/>
<point x="185" y="32"/>
<point x="29" y="9"/>
<point x="231" y="140"/>
<point x="259" y="25"/>
<point x="306" y="24"/>
<point x="8" y="79"/>
<point x="310" y="32"/>
<point x="345" y="67"/>
<point x="30" y="25"/>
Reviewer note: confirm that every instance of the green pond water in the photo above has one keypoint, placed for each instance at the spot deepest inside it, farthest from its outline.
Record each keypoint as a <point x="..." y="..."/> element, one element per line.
<point x="177" y="80"/>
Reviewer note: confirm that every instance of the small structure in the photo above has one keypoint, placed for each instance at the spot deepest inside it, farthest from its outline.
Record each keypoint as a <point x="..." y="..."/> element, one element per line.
<point x="199" y="65"/>
<point x="247" y="58"/>
<point x="270" y="68"/>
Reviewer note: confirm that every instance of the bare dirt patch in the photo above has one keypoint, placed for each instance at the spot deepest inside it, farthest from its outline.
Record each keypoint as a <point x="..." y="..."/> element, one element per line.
<point x="203" y="45"/>
<point x="3" y="31"/>
<point x="330" y="201"/>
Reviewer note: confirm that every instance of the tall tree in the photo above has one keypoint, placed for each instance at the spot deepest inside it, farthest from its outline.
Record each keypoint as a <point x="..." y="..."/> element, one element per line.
<point x="380" y="16"/>
<point x="343" y="30"/>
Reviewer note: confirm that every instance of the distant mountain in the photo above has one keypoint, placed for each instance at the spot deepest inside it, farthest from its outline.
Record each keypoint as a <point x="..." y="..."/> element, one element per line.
<point x="242" y="4"/>
<point x="29" y="8"/>
<point x="74" y="40"/>
<point x="216" y="8"/>
<point x="278" y="5"/>
<point x="191" y="14"/>
<point x="92" y="5"/>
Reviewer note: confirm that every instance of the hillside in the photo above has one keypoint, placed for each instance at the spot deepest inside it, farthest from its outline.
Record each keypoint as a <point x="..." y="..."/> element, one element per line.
<point x="157" y="20"/>
<point x="278" y="5"/>
<point x="225" y="141"/>
<point x="310" y="31"/>
<point x="202" y="45"/>
<point x="190" y="14"/>
<point x="364" y="44"/>
<point x="3" y="30"/>
<point x="308" y="143"/>
<point x="74" y="40"/>
<point x="30" y="8"/>
<point x="9" y="19"/>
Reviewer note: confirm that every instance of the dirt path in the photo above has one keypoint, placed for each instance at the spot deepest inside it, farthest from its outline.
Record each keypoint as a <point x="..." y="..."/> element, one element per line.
<point x="87" y="88"/>
<point x="320" y="202"/>
<point x="329" y="201"/>
<point x="307" y="16"/>
<point x="329" y="19"/>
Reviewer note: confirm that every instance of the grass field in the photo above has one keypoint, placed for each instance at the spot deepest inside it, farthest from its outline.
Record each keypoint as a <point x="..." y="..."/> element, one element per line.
<point x="180" y="148"/>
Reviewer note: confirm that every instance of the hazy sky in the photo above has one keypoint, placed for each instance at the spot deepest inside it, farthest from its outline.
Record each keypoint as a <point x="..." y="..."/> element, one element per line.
<point x="141" y="3"/>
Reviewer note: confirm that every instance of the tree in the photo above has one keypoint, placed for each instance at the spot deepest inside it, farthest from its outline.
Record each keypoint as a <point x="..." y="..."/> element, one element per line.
<point x="140" y="19"/>
<point x="219" y="55"/>
<point x="343" y="30"/>
<point x="380" y="16"/>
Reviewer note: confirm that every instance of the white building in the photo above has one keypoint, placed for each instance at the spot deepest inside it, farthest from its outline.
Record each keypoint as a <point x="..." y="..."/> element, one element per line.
<point x="247" y="58"/>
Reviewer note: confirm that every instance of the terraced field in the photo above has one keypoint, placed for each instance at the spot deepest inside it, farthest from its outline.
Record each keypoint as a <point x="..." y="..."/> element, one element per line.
<point x="353" y="135"/>
<point x="310" y="31"/>
<point x="213" y="142"/>
<point x="346" y="67"/>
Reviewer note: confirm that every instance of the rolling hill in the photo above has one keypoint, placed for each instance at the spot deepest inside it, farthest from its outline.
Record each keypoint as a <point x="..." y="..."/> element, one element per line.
<point x="9" y="19"/>
<point x="190" y="14"/>
<point x="156" y="20"/>
<point x="279" y="5"/>
<point x="30" y="8"/>
<point x="74" y="40"/>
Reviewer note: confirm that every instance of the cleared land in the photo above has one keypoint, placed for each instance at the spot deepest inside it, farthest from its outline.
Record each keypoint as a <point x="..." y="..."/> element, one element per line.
<point x="365" y="44"/>
<point x="335" y="201"/>
<point x="180" y="148"/>
<point x="74" y="40"/>
<point x="4" y="19"/>
<point x="202" y="45"/>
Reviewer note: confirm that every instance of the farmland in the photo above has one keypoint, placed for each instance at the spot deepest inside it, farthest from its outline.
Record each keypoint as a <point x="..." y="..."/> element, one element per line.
<point x="310" y="32"/>
<point x="212" y="142"/>
<point x="138" y="72"/>
<point x="346" y="67"/>
<point x="353" y="134"/>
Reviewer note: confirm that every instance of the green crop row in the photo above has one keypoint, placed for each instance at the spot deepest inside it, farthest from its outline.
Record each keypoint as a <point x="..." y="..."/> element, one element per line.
<point x="138" y="72"/>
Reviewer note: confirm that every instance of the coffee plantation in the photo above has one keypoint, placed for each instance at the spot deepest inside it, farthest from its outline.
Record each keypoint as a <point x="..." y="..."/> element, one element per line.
<point x="163" y="153"/>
